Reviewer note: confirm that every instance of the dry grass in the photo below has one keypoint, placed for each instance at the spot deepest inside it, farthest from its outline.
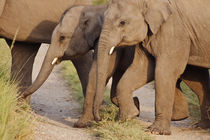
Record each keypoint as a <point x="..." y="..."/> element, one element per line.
<point x="15" y="118"/>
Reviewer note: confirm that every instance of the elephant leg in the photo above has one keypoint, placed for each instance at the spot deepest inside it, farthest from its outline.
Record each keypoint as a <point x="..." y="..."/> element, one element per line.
<point x="198" y="80"/>
<point x="180" y="107"/>
<point x="83" y="66"/>
<point x="23" y="55"/>
<point x="87" y="114"/>
<point x="140" y="72"/>
<point x="115" y="79"/>
<point x="167" y="72"/>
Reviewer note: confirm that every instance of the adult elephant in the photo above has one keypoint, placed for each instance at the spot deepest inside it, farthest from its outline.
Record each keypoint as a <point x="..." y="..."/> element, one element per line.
<point x="77" y="33"/>
<point x="175" y="32"/>
<point x="30" y="23"/>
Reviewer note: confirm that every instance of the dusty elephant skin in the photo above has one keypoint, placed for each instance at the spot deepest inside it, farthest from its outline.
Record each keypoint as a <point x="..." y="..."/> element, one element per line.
<point x="175" y="32"/>
<point x="32" y="22"/>
<point x="76" y="35"/>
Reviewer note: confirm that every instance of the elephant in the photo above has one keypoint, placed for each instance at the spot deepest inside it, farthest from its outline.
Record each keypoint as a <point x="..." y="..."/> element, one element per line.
<point x="175" y="32"/>
<point x="76" y="34"/>
<point x="31" y="23"/>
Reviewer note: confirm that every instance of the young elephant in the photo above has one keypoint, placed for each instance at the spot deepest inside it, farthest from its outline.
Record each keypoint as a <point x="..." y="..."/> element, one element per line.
<point x="76" y="35"/>
<point x="175" y="32"/>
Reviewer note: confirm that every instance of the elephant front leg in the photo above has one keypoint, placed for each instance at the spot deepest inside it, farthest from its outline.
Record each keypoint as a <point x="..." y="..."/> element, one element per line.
<point x="83" y="66"/>
<point x="23" y="55"/>
<point x="167" y="72"/>
<point x="87" y="115"/>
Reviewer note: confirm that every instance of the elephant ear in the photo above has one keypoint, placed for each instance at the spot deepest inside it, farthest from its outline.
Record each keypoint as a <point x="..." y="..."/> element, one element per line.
<point x="156" y="12"/>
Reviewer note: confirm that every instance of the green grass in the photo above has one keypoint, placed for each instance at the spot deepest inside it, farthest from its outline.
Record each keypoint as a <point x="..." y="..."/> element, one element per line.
<point x="15" y="118"/>
<point x="108" y="128"/>
<point x="98" y="2"/>
<point x="71" y="76"/>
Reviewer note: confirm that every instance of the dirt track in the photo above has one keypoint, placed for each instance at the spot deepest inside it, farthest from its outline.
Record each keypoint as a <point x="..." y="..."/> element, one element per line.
<point x="57" y="110"/>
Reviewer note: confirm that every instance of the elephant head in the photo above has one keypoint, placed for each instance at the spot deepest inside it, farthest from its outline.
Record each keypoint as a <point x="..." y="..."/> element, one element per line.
<point x="77" y="33"/>
<point x="126" y="22"/>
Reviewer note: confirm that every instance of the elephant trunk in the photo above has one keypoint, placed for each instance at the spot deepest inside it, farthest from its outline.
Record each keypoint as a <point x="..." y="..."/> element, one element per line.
<point x="103" y="59"/>
<point x="46" y="69"/>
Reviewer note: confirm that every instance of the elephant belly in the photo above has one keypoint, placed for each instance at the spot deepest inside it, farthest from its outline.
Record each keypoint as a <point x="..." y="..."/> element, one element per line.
<point x="31" y="20"/>
<point x="199" y="56"/>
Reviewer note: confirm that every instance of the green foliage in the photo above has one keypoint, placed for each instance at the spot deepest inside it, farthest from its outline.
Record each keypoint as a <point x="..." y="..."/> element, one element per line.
<point x="98" y="2"/>
<point x="15" y="120"/>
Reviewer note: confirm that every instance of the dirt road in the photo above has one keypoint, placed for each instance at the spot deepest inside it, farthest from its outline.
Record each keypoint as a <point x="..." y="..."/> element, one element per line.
<point x="57" y="110"/>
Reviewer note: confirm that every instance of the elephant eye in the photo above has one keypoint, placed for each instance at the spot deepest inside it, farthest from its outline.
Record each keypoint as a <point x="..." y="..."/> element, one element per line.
<point x="62" y="38"/>
<point x="122" y="23"/>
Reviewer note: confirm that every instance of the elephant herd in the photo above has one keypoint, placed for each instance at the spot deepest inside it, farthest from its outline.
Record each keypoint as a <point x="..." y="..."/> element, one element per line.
<point x="134" y="42"/>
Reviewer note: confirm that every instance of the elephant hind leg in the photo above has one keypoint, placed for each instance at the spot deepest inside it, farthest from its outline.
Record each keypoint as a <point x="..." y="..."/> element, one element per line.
<point x="180" y="107"/>
<point x="116" y="78"/>
<point x="198" y="80"/>
<point x="23" y="55"/>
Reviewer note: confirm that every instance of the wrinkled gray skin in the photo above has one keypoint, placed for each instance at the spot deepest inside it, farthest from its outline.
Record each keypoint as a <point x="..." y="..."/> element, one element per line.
<point x="32" y="23"/>
<point x="81" y="34"/>
<point x="173" y="34"/>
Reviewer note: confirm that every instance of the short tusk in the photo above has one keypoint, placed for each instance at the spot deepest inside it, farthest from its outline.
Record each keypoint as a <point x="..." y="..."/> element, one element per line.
<point x="54" y="61"/>
<point x="111" y="50"/>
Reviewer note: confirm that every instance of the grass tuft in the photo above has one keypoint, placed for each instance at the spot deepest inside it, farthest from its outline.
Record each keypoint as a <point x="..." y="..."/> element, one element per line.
<point x="110" y="129"/>
<point x="15" y="118"/>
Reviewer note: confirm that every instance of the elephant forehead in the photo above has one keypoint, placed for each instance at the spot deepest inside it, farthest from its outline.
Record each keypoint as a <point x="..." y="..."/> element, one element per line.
<point x="71" y="20"/>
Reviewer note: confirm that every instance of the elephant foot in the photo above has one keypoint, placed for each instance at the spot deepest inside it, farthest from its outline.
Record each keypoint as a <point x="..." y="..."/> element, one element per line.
<point x="204" y="124"/>
<point x="158" y="129"/>
<point x="137" y="104"/>
<point x="128" y="114"/>
<point x="84" y="121"/>
<point x="28" y="99"/>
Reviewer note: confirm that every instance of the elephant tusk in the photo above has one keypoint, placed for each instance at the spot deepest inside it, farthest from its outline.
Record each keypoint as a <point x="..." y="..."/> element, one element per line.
<point x="111" y="50"/>
<point x="54" y="61"/>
